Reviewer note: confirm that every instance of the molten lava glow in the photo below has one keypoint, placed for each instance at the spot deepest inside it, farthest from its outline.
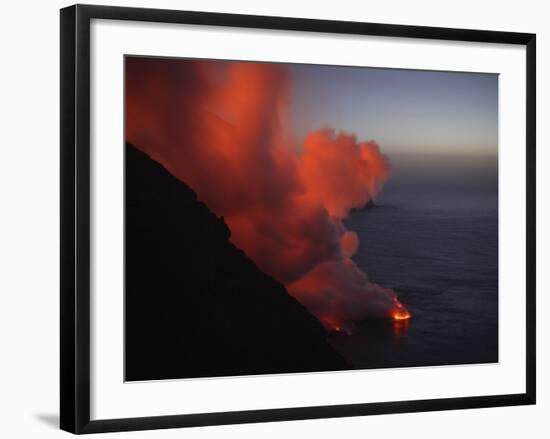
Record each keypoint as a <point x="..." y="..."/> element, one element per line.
<point x="399" y="312"/>
<point x="223" y="129"/>
<point x="401" y="315"/>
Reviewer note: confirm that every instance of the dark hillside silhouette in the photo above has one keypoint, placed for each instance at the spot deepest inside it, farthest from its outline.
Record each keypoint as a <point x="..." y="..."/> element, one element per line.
<point x="195" y="304"/>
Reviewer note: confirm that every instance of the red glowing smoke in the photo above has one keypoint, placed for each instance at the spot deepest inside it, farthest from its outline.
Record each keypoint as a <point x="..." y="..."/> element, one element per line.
<point x="222" y="128"/>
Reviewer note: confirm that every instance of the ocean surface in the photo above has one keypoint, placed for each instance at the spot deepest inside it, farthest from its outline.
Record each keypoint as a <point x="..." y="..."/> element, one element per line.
<point x="433" y="238"/>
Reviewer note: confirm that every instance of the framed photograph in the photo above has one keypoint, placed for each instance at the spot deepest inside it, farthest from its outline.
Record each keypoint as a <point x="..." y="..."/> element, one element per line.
<point x="268" y="218"/>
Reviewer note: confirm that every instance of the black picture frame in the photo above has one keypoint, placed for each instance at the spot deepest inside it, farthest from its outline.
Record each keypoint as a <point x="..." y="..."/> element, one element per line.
<point x="75" y="217"/>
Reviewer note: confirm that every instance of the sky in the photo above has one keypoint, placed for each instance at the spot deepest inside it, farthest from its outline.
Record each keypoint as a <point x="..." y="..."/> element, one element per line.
<point x="404" y="111"/>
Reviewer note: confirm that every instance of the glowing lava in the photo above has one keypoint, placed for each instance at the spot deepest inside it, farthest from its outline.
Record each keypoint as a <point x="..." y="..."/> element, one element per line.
<point x="400" y="312"/>
<point x="401" y="315"/>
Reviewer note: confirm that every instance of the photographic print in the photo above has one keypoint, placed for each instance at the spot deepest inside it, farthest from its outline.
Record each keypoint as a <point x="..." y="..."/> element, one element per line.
<point x="291" y="218"/>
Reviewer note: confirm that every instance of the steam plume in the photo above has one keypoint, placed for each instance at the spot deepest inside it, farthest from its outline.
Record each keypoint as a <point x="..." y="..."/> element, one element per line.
<point x="222" y="128"/>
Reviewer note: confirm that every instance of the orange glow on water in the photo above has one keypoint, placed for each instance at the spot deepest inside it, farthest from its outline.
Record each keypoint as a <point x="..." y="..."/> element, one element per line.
<point x="400" y="327"/>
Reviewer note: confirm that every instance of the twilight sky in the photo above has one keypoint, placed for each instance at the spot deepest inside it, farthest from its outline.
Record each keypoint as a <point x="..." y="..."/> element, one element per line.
<point x="405" y="111"/>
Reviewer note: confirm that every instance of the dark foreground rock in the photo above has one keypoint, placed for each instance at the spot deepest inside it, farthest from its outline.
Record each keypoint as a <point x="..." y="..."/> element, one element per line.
<point x="196" y="305"/>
